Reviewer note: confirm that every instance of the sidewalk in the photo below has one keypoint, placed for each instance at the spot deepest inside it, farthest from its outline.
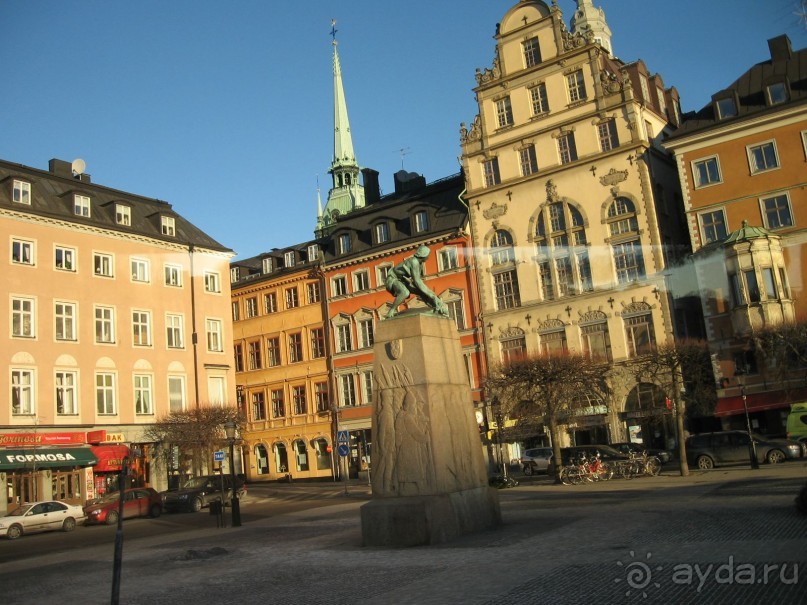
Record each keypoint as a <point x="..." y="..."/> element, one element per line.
<point x="706" y="538"/>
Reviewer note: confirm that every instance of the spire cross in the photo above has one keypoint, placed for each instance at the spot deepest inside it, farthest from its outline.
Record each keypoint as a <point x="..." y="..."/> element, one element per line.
<point x="333" y="31"/>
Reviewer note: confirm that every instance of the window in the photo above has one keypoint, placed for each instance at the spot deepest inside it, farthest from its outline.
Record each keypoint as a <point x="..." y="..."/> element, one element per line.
<point x="567" y="149"/>
<point x="173" y="275"/>
<point x="254" y="355"/>
<point x="168" y="226"/>
<point x="532" y="52"/>
<point x="563" y="267"/>
<point x="212" y="282"/>
<point x="238" y="355"/>
<point x="421" y="221"/>
<point x="143" y="398"/>
<point x="236" y="308"/>
<point x="278" y="405"/>
<point x="313" y="293"/>
<point x="777" y="93"/>
<point x="22" y="192"/>
<point x="104" y="325"/>
<point x="505" y="285"/>
<point x="639" y="334"/>
<point x="776" y="211"/>
<point x="140" y="270"/>
<point x="361" y="281"/>
<point x="266" y="265"/>
<point x="576" y="85"/>
<point x="596" y="340"/>
<point x="608" y="136"/>
<point x="762" y="157"/>
<point x="176" y="393"/>
<point x="214" y="343"/>
<point x="706" y="172"/>
<point x="662" y="102"/>
<point x="367" y="387"/>
<point x="81" y="205"/>
<point x="322" y="397"/>
<point x="291" y="298"/>
<point x="65" y="259"/>
<point x="105" y="393"/>
<point x="339" y="286"/>
<point x="65" y="315"/>
<point x="365" y="333"/>
<point x="295" y="347"/>
<point x="726" y="108"/>
<point x="103" y="264"/>
<point x="456" y="312"/>
<point x="528" y="160"/>
<point x="504" y="112"/>
<point x="628" y="261"/>
<point x="540" y="102"/>
<point x="553" y="342"/>
<point x="501" y="248"/>
<point x="22" y="252"/>
<point x="141" y="328"/>
<point x="645" y="88"/>
<point x="348" y="390"/>
<point x="173" y="331"/>
<point x="258" y="406"/>
<point x="251" y="306"/>
<point x="313" y="252"/>
<point x="235" y="272"/>
<point x="752" y="286"/>
<point x="273" y="351"/>
<point x="713" y="226"/>
<point x="382" y="271"/>
<point x="513" y="349"/>
<point x="22" y="392"/>
<point x="299" y="400"/>
<point x="288" y="259"/>
<point x="447" y="258"/>
<point x="123" y="215"/>
<point x="216" y="390"/>
<point x="344" y="340"/>
<point x="770" y="286"/>
<point x="22" y="317"/>
<point x="317" y="343"/>
<point x="66" y="402"/>
<point x="270" y="303"/>
<point x="547" y="283"/>
<point x="344" y="243"/>
<point x="381" y="231"/>
<point x="490" y="172"/>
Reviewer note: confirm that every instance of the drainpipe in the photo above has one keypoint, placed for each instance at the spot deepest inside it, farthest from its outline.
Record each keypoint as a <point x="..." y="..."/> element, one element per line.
<point x="194" y="334"/>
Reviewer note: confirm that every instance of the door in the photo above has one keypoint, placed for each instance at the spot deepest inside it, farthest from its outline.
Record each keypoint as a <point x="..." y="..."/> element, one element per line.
<point x="36" y="519"/>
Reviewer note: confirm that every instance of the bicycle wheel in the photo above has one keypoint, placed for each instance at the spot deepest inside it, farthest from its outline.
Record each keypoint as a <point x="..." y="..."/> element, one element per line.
<point x="606" y="472"/>
<point x="563" y="475"/>
<point x="653" y="466"/>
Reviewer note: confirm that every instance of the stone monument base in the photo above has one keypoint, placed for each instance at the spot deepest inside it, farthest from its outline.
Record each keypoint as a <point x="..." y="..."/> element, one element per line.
<point x="433" y="519"/>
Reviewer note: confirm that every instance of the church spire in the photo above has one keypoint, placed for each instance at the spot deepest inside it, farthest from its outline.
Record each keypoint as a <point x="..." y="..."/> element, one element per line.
<point x="588" y="18"/>
<point x="346" y="194"/>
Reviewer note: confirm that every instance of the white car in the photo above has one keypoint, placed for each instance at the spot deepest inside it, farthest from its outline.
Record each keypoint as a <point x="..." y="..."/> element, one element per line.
<point x="41" y="516"/>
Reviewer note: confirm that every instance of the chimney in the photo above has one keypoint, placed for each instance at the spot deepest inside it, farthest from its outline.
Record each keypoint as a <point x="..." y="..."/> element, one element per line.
<point x="781" y="49"/>
<point x="408" y="181"/>
<point x="60" y="168"/>
<point x="372" y="192"/>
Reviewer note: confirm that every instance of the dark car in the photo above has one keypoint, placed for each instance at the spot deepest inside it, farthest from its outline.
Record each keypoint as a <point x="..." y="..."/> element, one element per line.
<point x="197" y="493"/>
<point x="707" y="450"/>
<point x="626" y="447"/>
<point x="137" y="502"/>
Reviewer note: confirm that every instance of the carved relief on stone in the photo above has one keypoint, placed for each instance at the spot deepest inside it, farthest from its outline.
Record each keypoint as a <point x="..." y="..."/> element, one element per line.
<point x="488" y="75"/>
<point x="474" y="134"/>
<point x="510" y="332"/>
<point x="635" y="306"/>
<point x="549" y="324"/>
<point x="551" y="191"/>
<point x="592" y="316"/>
<point x="495" y="211"/>
<point x="395" y="348"/>
<point x="613" y="177"/>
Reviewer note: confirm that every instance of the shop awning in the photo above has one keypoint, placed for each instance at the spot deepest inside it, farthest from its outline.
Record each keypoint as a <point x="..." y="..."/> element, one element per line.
<point x="45" y="457"/>
<point x="757" y="402"/>
<point x="110" y="457"/>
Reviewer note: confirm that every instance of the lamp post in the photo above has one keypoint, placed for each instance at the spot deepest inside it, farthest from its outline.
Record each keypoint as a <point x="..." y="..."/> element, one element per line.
<point x="229" y="430"/>
<point x="752" y="447"/>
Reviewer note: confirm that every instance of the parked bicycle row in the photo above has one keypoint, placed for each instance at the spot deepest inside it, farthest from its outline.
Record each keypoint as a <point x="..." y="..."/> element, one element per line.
<point x="595" y="462"/>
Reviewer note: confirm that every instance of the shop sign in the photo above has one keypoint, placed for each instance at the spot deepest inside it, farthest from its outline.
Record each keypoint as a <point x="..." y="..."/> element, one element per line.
<point x="41" y="438"/>
<point x="114" y="438"/>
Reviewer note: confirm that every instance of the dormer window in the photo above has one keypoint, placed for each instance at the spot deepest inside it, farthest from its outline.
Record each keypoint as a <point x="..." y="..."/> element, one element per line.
<point x="266" y="265"/>
<point x="81" y="205"/>
<point x="421" y="221"/>
<point x="343" y="243"/>
<point x="123" y="215"/>
<point x="726" y="108"/>
<point x="168" y="225"/>
<point x="381" y="232"/>
<point x="313" y="252"/>
<point x="234" y="273"/>
<point x="22" y="192"/>
<point x="777" y="93"/>
<point x="288" y="259"/>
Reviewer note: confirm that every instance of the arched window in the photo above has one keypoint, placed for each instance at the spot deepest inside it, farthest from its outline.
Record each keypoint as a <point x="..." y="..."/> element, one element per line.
<point x="261" y="459"/>
<point x="322" y="454"/>
<point x="563" y="263"/>
<point x="505" y="279"/>
<point x="625" y="245"/>
<point x="501" y="248"/>
<point x="281" y="458"/>
<point x="622" y="217"/>
<point x="301" y="455"/>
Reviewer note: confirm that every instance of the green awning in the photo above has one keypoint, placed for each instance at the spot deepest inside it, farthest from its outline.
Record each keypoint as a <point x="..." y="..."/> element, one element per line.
<point x="46" y="457"/>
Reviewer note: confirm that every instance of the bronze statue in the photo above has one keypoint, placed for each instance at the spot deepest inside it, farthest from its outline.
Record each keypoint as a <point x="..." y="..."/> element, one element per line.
<point x="406" y="279"/>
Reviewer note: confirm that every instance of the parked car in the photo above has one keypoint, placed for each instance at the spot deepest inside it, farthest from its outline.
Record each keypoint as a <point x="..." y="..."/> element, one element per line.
<point x="626" y="447"/>
<point x="607" y="453"/>
<point x="797" y="422"/>
<point x="48" y="515"/>
<point x="197" y="493"/>
<point x="137" y="502"/>
<point x="707" y="450"/>
<point x="536" y="460"/>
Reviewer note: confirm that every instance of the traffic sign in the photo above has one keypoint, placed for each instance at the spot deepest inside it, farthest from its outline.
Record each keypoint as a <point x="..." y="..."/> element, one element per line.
<point x="218" y="456"/>
<point x="343" y="449"/>
<point x="342" y="436"/>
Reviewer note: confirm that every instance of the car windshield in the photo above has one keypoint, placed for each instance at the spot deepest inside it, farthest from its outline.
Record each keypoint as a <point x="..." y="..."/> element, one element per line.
<point x="20" y="511"/>
<point x="195" y="483"/>
<point x="110" y="497"/>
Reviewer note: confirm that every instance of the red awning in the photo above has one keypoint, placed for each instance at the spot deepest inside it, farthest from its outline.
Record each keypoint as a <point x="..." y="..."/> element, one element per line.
<point x="110" y="457"/>
<point x="757" y="402"/>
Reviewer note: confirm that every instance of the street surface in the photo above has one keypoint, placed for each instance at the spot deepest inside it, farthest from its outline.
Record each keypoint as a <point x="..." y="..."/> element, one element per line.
<point x="723" y="536"/>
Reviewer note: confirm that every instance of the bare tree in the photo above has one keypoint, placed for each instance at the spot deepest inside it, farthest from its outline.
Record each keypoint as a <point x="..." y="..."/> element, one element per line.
<point x="196" y="434"/>
<point x="782" y="351"/>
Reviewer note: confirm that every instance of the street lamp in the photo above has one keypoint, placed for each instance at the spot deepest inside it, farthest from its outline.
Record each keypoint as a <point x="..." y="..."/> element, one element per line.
<point x="229" y="430"/>
<point x="739" y="372"/>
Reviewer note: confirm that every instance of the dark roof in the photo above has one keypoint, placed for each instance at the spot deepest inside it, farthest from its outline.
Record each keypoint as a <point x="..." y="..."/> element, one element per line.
<point x="52" y="194"/>
<point x="252" y="268"/>
<point x="749" y="90"/>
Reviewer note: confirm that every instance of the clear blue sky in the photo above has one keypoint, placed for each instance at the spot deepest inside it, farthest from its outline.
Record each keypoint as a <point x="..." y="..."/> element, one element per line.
<point x="225" y="109"/>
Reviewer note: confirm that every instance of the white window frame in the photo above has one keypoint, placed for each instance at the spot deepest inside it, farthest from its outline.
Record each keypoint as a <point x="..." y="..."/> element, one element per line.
<point x="141" y="328"/>
<point x="361" y="280"/>
<point x="64" y="259"/>
<point x="704" y="162"/>
<point x="381" y="272"/>
<point x="266" y="265"/>
<point x="344" y="243"/>
<point x="313" y="253"/>
<point x="21" y="192"/>
<point x="381" y="232"/>
<point x="347" y="391"/>
<point x="23" y="252"/>
<point x="339" y="285"/>
<point x="217" y="390"/>
<point x="212" y="282"/>
<point x="174" y="331"/>
<point x="140" y="270"/>
<point x="106" y="394"/>
<point x="366" y="331"/>
<point x="168" y="226"/>
<point x="25" y="391"/>
<point x="173" y="275"/>
<point x="235" y="274"/>
<point x="343" y="337"/>
<point x="291" y="297"/>
<point x="367" y="385"/>
<point x="104" y="324"/>
<point x="703" y="226"/>
<point x="749" y="149"/>
<point x="250" y="307"/>
<point x="421" y="221"/>
<point x="539" y="99"/>
<point x="531" y="51"/>
<point x="576" y="86"/>
<point x="66" y="391"/>
<point x="103" y="264"/>
<point x="143" y="389"/>
<point x="313" y="292"/>
<point x="213" y="331"/>
<point x="504" y="112"/>
<point x="172" y="393"/>
<point x="447" y="258"/>
<point x="24" y="315"/>
<point x="81" y="205"/>
<point x="289" y="259"/>
<point x="764" y="211"/>
<point x="123" y="215"/>
<point x="65" y="320"/>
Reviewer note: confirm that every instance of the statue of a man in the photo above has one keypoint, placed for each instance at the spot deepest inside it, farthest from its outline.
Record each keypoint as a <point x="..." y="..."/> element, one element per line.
<point x="407" y="278"/>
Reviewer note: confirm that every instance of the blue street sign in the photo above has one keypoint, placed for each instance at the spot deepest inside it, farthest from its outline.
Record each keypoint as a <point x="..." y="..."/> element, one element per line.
<point x="218" y="456"/>
<point x="343" y="449"/>
<point x="342" y="437"/>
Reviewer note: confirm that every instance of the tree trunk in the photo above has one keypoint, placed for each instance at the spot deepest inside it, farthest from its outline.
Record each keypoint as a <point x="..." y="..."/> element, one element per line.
<point x="556" y="457"/>
<point x="682" y="450"/>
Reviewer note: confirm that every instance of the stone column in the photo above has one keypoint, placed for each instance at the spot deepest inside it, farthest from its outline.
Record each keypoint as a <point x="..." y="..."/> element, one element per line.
<point x="428" y="478"/>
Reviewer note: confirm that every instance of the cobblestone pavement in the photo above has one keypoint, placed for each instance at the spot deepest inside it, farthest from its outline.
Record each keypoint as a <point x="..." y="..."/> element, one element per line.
<point x="723" y="536"/>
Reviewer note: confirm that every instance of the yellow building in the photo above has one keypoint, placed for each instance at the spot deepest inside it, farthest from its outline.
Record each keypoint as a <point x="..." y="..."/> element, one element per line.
<point x="116" y="312"/>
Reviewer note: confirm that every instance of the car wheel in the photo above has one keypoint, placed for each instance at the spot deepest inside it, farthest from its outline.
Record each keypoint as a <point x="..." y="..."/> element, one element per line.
<point x="528" y="470"/>
<point x="111" y="517"/>
<point x="155" y="510"/>
<point x="69" y="524"/>
<point x="196" y="504"/>
<point x="775" y="457"/>
<point x="14" y="532"/>
<point x="704" y="462"/>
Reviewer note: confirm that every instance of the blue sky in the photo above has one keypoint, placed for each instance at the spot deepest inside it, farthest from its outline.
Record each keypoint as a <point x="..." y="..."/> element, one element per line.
<point x="225" y="109"/>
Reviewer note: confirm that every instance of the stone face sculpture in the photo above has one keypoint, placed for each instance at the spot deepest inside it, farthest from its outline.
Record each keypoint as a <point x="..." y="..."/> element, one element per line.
<point x="406" y="279"/>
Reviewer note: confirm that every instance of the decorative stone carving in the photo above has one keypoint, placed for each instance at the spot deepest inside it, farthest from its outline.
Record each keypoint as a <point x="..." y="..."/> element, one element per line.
<point x="551" y="192"/>
<point x="495" y="211"/>
<point x="613" y="177"/>
<point x="635" y="306"/>
<point x="510" y="332"/>
<point x="488" y="75"/>
<point x="592" y="316"/>
<point x="474" y="134"/>
<point x="549" y="324"/>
